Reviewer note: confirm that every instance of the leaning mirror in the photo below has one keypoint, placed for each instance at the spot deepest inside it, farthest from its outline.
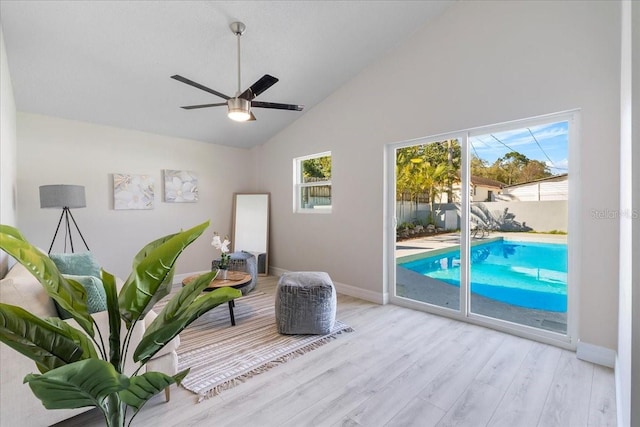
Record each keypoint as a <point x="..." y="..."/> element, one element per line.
<point x="251" y="227"/>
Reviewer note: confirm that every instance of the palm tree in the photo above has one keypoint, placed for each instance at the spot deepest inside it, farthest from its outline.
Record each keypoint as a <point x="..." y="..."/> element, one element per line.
<point x="415" y="175"/>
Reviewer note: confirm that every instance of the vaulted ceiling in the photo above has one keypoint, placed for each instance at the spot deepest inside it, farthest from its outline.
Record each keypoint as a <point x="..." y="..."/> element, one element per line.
<point x="109" y="62"/>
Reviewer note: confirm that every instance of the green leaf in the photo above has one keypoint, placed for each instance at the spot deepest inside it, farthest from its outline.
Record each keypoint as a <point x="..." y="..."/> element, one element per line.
<point x="185" y="296"/>
<point x="152" y="273"/>
<point x="79" y="338"/>
<point x="49" y="345"/>
<point x="69" y="294"/>
<point x="181" y="310"/>
<point x="144" y="387"/>
<point x="77" y="385"/>
<point x="115" y="322"/>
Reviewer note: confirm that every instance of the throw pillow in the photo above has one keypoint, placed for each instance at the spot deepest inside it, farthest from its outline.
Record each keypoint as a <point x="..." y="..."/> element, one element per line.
<point x="96" y="296"/>
<point x="79" y="264"/>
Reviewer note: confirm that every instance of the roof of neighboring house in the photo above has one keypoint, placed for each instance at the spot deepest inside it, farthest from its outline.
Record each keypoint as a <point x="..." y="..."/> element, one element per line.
<point x="560" y="177"/>
<point x="486" y="182"/>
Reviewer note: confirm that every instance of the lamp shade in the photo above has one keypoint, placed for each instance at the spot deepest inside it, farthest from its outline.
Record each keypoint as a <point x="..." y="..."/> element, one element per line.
<point x="62" y="196"/>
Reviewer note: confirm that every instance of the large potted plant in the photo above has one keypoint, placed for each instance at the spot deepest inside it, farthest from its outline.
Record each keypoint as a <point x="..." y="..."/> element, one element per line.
<point x="73" y="374"/>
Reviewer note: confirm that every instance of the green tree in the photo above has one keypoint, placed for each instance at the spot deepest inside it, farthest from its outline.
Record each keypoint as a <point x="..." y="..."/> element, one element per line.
<point x="448" y="153"/>
<point x="479" y="167"/>
<point x="533" y="170"/>
<point x="425" y="170"/>
<point x="511" y="164"/>
<point x="319" y="167"/>
<point x="516" y="168"/>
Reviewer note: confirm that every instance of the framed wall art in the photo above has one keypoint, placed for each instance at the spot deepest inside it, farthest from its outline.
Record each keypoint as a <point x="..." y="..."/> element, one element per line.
<point x="180" y="186"/>
<point x="132" y="191"/>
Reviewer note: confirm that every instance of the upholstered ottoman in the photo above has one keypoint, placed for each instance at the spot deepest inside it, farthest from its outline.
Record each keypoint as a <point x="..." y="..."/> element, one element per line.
<point x="241" y="261"/>
<point x="305" y="303"/>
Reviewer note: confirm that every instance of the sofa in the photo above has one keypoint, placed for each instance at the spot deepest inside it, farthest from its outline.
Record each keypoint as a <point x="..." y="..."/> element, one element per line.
<point x="18" y="405"/>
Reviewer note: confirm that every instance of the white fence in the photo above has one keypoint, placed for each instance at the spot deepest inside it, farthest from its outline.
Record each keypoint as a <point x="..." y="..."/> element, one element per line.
<point x="539" y="215"/>
<point x="537" y="191"/>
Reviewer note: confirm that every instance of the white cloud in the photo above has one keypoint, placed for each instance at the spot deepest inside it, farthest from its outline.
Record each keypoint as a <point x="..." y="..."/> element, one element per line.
<point x="559" y="166"/>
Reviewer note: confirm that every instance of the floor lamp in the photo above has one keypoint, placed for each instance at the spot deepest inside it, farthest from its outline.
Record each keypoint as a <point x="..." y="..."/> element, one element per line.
<point x="66" y="197"/>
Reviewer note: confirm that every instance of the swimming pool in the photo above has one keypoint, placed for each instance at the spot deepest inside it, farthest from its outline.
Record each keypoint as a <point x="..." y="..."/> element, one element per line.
<point x="525" y="274"/>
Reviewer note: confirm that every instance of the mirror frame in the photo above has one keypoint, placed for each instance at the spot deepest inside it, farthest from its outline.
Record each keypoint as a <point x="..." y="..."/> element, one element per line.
<point x="240" y="219"/>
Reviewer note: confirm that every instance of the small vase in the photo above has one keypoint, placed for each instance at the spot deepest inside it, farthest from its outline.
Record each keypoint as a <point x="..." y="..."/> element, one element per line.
<point x="222" y="274"/>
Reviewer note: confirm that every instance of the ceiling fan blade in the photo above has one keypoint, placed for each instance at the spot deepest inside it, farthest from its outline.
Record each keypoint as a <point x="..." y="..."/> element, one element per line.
<point x="277" y="106"/>
<point x="193" y="107"/>
<point x="199" y="86"/>
<point x="264" y="83"/>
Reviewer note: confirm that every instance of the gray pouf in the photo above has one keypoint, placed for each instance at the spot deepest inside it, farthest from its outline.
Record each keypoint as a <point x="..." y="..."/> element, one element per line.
<point x="241" y="261"/>
<point x="305" y="303"/>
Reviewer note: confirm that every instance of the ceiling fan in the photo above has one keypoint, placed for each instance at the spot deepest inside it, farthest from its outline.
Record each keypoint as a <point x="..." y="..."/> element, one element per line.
<point x="239" y="106"/>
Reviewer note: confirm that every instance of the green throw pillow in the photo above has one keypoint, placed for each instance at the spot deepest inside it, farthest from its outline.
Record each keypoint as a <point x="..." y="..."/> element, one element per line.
<point x="79" y="264"/>
<point x="96" y="296"/>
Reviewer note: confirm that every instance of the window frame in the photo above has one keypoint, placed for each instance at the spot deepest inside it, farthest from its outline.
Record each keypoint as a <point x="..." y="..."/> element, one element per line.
<point x="298" y="185"/>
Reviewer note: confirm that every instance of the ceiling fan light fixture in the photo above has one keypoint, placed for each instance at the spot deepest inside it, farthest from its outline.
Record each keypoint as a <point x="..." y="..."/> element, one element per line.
<point x="239" y="109"/>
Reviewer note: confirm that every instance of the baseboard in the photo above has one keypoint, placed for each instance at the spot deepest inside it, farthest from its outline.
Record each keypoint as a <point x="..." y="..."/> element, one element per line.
<point x="596" y="354"/>
<point x="275" y="271"/>
<point x="342" y="288"/>
<point x="364" y="294"/>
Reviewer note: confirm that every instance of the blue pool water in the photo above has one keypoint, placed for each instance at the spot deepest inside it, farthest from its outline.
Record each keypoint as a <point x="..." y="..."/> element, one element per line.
<point x="526" y="274"/>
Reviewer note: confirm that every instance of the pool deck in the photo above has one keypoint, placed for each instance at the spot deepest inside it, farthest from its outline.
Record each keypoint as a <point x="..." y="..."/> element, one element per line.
<point x="442" y="241"/>
<point x="422" y="288"/>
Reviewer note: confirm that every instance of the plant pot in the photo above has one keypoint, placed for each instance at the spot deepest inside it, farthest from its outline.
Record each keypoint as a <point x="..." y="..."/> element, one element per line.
<point x="222" y="274"/>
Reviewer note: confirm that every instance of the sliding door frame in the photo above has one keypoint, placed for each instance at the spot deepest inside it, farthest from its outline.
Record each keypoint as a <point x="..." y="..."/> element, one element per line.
<point x="568" y="340"/>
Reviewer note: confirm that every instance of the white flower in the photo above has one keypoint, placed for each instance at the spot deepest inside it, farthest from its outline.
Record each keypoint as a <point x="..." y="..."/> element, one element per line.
<point x="221" y="245"/>
<point x="224" y="248"/>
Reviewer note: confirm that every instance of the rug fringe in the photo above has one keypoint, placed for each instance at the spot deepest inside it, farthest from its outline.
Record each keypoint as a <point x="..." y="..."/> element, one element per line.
<point x="271" y="364"/>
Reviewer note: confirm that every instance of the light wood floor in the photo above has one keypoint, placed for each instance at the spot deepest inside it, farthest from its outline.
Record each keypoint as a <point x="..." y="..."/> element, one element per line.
<point x="402" y="367"/>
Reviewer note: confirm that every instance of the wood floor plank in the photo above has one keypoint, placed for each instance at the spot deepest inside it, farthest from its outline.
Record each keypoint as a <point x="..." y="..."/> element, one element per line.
<point x="402" y="367"/>
<point x="390" y="357"/>
<point x="391" y="400"/>
<point x="417" y="413"/>
<point x="315" y="377"/>
<point x="445" y="389"/>
<point x="524" y="399"/>
<point x="505" y="363"/>
<point x="602" y="405"/>
<point x="474" y="407"/>
<point x="567" y="403"/>
<point x="391" y="363"/>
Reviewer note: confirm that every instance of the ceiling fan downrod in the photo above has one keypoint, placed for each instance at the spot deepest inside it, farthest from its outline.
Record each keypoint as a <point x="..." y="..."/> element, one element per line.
<point x="238" y="29"/>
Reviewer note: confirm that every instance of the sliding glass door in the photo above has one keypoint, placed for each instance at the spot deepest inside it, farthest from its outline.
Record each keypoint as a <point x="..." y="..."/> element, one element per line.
<point x="482" y="223"/>
<point x="428" y="231"/>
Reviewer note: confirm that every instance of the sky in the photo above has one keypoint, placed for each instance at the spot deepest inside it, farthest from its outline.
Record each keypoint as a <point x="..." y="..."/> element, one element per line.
<point x="551" y="146"/>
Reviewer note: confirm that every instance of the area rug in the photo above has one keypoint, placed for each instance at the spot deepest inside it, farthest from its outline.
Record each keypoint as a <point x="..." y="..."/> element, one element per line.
<point x="221" y="356"/>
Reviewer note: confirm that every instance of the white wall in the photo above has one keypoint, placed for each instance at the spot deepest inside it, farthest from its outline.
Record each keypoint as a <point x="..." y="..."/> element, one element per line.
<point x="58" y="151"/>
<point x="480" y="63"/>
<point x="8" y="173"/>
<point x="628" y="362"/>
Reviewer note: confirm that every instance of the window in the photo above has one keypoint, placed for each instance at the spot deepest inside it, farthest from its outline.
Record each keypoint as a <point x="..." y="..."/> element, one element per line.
<point x="312" y="183"/>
